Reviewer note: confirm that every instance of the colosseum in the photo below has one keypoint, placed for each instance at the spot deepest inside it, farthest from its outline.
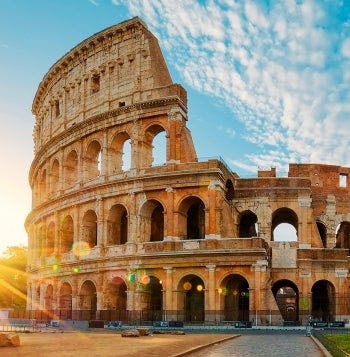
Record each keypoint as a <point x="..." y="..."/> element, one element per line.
<point x="116" y="234"/>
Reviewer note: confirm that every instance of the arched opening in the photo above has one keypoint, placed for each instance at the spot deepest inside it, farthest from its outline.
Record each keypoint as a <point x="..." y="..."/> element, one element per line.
<point x="322" y="230"/>
<point x="65" y="301"/>
<point x="157" y="223"/>
<point x="152" y="297"/>
<point x="55" y="176"/>
<point x="40" y="242"/>
<point x="120" y="152"/>
<point x="154" y="146"/>
<point x="49" y="299"/>
<point x="159" y="149"/>
<point x="88" y="300"/>
<point x="284" y="226"/>
<point x="92" y="160"/>
<point x="229" y="194"/>
<point x="343" y="235"/>
<point x="71" y="168"/>
<point x="42" y="185"/>
<point x="67" y="234"/>
<point x="287" y="298"/>
<point x="248" y="224"/>
<point x="323" y="301"/>
<point x="192" y="218"/>
<point x="117" y="231"/>
<point x="192" y="288"/>
<point x="152" y="220"/>
<point x="50" y="239"/>
<point x="234" y="297"/>
<point x="115" y="299"/>
<point x="89" y="228"/>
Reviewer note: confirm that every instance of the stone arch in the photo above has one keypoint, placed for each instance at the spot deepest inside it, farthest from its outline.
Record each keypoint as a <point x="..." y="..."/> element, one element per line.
<point x="191" y="298"/>
<point x="286" y="294"/>
<point x="229" y="190"/>
<point x="65" y="301"/>
<point x="152" y="220"/>
<point x="92" y="160"/>
<point x="149" y="151"/>
<point x="50" y="238"/>
<point x="247" y="224"/>
<point x="117" y="226"/>
<point x="152" y="297"/>
<point x="88" y="299"/>
<point x="55" y="175"/>
<point x="67" y="234"/>
<point x="285" y="221"/>
<point x="322" y="230"/>
<point x="323" y="301"/>
<point x="115" y="299"/>
<point x="89" y="228"/>
<point x="192" y="218"/>
<point x="234" y="298"/>
<point x="71" y="168"/>
<point x="118" y="152"/>
<point x="48" y="299"/>
<point x="343" y="235"/>
<point x="43" y="184"/>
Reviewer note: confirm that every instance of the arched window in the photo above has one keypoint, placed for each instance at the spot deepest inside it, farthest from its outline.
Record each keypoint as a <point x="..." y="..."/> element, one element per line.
<point x="192" y="218"/>
<point x="88" y="299"/>
<point x="152" y="220"/>
<point x="65" y="301"/>
<point x="89" y="228"/>
<point x="154" y="151"/>
<point x="71" y="168"/>
<point x="93" y="161"/>
<point x="42" y="185"/>
<point x="322" y="230"/>
<point x="49" y="298"/>
<point x="229" y="190"/>
<point x="120" y="153"/>
<point x="55" y="176"/>
<point x="248" y="224"/>
<point x="323" y="301"/>
<point x="67" y="234"/>
<point x="115" y="299"/>
<point x="126" y="158"/>
<point x="343" y="235"/>
<point x="50" y="239"/>
<point x="117" y="231"/>
<point x="284" y="225"/>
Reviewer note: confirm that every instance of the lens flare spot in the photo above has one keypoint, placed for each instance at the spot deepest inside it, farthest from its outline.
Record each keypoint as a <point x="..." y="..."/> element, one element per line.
<point x="131" y="277"/>
<point x="81" y="249"/>
<point x="199" y="287"/>
<point x="187" y="286"/>
<point x="145" y="279"/>
<point x="76" y="270"/>
<point x="55" y="267"/>
<point x="220" y="290"/>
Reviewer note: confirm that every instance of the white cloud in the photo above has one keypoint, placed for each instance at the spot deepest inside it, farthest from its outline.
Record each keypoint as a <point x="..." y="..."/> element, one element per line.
<point x="275" y="67"/>
<point x="93" y="2"/>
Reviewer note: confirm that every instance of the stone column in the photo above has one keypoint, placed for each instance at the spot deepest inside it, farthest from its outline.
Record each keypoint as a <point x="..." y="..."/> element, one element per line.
<point x="169" y="219"/>
<point x="104" y="156"/>
<point x="210" y="303"/>
<point x="101" y="237"/>
<point x="168" y="287"/>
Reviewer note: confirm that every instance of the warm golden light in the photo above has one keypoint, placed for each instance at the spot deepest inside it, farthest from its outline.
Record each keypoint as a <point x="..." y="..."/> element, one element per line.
<point x="187" y="286"/>
<point x="199" y="287"/>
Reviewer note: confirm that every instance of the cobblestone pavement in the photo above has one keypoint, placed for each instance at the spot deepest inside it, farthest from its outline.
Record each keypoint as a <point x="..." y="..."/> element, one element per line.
<point x="267" y="345"/>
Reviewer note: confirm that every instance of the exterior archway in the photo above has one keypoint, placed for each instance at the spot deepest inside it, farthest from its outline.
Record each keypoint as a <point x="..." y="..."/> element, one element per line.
<point x="343" y="235"/>
<point x="65" y="301"/>
<point x="192" y="218"/>
<point x="50" y="239"/>
<point x="284" y="225"/>
<point x="192" y="289"/>
<point x="67" y="234"/>
<point x="117" y="229"/>
<point x="43" y="185"/>
<point x="234" y="297"/>
<point x="92" y="159"/>
<point x="286" y="294"/>
<point x="120" y="152"/>
<point x="152" y="220"/>
<point x="247" y="224"/>
<point x="71" y="168"/>
<point x="89" y="228"/>
<point x="49" y="299"/>
<point x="323" y="301"/>
<point x="149" y="151"/>
<point x="115" y="300"/>
<point x="229" y="194"/>
<point x="322" y="230"/>
<point x="55" y="169"/>
<point x="88" y="300"/>
<point x="153" y="298"/>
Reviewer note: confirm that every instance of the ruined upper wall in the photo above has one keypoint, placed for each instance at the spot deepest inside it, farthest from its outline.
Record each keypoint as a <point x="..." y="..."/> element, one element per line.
<point x="117" y="67"/>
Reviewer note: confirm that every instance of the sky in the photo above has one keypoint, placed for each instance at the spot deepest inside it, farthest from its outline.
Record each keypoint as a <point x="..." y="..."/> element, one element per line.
<point x="267" y="81"/>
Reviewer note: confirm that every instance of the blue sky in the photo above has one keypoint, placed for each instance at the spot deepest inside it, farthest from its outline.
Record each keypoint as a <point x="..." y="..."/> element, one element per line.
<point x="267" y="81"/>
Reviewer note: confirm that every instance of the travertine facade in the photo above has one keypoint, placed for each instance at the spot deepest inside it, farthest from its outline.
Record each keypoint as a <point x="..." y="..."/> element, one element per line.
<point x="185" y="240"/>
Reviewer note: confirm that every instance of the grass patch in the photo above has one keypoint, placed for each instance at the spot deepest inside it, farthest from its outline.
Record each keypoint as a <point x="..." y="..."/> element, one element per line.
<point x="341" y="340"/>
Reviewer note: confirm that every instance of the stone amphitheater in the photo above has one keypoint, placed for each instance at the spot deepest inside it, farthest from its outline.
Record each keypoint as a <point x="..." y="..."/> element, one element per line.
<point x="116" y="235"/>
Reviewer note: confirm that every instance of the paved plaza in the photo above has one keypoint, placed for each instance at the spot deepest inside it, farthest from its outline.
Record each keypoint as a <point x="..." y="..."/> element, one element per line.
<point x="264" y="345"/>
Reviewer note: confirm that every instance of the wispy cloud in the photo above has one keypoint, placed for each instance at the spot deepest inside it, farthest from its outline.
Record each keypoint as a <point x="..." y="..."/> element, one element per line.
<point x="93" y="2"/>
<point x="283" y="69"/>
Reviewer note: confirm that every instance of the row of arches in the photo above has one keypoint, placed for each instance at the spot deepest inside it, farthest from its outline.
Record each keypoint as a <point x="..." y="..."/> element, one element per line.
<point x="151" y="220"/>
<point x="93" y="161"/>
<point x="234" y="295"/>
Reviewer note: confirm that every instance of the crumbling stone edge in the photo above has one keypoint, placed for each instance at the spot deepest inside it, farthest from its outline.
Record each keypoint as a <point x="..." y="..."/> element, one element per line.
<point x="198" y="348"/>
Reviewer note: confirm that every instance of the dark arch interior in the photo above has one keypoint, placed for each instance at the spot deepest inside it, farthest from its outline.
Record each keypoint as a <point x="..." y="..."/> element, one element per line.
<point x="195" y="221"/>
<point x="323" y="233"/>
<point x="286" y="294"/>
<point x="323" y="301"/>
<point x="247" y="225"/>
<point x="229" y="190"/>
<point x="157" y="223"/>
<point x="343" y="236"/>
